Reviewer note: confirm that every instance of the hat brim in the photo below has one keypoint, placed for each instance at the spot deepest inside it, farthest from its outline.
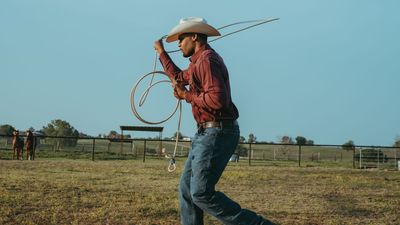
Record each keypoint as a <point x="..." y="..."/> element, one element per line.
<point x="191" y="27"/>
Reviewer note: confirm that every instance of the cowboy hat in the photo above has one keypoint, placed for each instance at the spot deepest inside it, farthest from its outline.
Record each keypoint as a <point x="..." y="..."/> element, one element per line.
<point x="191" y="25"/>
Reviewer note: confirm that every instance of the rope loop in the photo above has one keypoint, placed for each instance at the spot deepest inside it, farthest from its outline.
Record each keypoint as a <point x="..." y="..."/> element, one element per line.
<point x="143" y="97"/>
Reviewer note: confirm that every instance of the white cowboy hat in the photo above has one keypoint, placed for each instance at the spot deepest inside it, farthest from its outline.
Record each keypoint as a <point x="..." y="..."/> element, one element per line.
<point x="191" y="25"/>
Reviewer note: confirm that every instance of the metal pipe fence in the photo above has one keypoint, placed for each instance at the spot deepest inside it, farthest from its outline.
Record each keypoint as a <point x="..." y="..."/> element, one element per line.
<point x="253" y="154"/>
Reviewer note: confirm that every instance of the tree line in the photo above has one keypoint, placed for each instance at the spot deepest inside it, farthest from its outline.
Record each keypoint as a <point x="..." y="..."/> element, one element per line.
<point x="62" y="128"/>
<point x="57" y="127"/>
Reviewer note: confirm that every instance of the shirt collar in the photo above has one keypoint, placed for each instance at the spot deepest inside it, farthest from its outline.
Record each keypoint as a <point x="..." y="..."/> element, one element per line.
<point x="196" y="55"/>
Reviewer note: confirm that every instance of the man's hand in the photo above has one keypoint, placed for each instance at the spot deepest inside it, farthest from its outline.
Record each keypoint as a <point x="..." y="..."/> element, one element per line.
<point x="179" y="90"/>
<point x="159" y="46"/>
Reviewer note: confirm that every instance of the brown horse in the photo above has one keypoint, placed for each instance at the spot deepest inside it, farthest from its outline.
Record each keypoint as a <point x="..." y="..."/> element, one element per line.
<point x="18" y="145"/>
<point x="29" y="145"/>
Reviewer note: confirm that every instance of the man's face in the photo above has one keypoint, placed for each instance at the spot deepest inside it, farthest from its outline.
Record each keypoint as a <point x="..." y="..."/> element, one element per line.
<point x="187" y="44"/>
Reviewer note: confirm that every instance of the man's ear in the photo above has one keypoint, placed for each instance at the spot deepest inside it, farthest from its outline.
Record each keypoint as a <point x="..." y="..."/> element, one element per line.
<point x="195" y="37"/>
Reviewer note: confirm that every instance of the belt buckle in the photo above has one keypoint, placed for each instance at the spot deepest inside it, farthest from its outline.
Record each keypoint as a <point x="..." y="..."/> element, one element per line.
<point x="214" y="124"/>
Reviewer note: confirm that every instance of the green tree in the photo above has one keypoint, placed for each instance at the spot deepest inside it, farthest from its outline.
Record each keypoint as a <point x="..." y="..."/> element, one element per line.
<point x="180" y="136"/>
<point x="397" y="142"/>
<point x="61" y="128"/>
<point x="252" y="138"/>
<point x="301" y="140"/>
<point x="349" y="145"/>
<point x="287" y="140"/>
<point x="242" y="139"/>
<point x="6" y="129"/>
<point x="113" y="134"/>
<point x="310" y="142"/>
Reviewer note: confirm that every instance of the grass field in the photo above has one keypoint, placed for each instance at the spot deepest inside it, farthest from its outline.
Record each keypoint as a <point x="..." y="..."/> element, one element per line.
<point x="65" y="191"/>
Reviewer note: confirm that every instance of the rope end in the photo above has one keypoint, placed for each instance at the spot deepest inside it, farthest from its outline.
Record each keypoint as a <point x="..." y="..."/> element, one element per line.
<point x="172" y="165"/>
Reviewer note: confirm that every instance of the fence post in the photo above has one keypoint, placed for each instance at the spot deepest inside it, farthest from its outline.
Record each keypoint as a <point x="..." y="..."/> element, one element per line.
<point x="94" y="141"/>
<point x="250" y="153"/>
<point x="122" y="146"/>
<point x="360" y="158"/>
<point x="299" y="158"/>
<point x="378" y="157"/>
<point x="144" y="151"/>
<point x="354" y="157"/>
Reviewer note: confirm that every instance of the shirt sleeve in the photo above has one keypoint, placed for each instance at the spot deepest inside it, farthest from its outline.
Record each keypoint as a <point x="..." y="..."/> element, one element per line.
<point x="173" y="71"/>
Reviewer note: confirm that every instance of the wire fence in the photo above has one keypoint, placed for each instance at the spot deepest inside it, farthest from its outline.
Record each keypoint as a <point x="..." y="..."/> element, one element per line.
<point x="253" y="154"/>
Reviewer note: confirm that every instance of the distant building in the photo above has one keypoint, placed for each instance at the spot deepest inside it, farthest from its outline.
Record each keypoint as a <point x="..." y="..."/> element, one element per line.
<point x="186" y="139"/>
<point x="182" y="139"/>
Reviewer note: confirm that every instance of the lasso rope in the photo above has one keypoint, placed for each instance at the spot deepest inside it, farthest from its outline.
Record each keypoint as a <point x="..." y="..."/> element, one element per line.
<point x="172" y="163"/>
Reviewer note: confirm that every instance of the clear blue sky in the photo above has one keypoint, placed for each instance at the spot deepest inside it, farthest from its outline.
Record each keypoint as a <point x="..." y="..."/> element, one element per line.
<point x="327" y="70"/>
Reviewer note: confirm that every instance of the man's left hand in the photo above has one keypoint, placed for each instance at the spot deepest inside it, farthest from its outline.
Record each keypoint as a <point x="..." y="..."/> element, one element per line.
<point x="179" y="91"/>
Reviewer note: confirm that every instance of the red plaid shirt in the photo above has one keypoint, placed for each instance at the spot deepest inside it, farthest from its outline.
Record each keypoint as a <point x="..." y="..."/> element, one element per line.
<point x="209" y="89"/>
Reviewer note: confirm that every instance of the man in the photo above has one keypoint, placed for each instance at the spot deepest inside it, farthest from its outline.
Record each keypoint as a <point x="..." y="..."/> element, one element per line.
<point x="218" y="132"/>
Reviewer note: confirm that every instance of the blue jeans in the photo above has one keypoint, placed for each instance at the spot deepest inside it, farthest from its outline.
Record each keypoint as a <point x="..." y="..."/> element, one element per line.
<point x="211" y="150"/>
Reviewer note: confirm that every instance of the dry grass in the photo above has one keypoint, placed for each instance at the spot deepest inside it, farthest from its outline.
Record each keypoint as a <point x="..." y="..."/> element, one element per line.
<point x="64" y="191"/>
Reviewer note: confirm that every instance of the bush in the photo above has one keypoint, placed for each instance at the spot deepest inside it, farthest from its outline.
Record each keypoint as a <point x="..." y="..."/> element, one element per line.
<point x="242" y="151"/>
<point x="371" y="155"/>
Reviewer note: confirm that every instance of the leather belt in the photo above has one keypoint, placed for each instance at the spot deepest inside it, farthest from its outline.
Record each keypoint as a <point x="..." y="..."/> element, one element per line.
<point x="222" y="123"/>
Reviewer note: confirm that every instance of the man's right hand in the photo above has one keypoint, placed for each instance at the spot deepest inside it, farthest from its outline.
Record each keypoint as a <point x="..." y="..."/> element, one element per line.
<point x="159" y="46"/>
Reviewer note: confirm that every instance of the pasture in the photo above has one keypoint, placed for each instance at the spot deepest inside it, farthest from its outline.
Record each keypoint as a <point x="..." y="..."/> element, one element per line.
<point x="80" y="191"/>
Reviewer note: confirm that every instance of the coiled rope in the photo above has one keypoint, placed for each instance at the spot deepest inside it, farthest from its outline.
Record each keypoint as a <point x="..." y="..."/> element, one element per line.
<point x="172" y="163"/>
